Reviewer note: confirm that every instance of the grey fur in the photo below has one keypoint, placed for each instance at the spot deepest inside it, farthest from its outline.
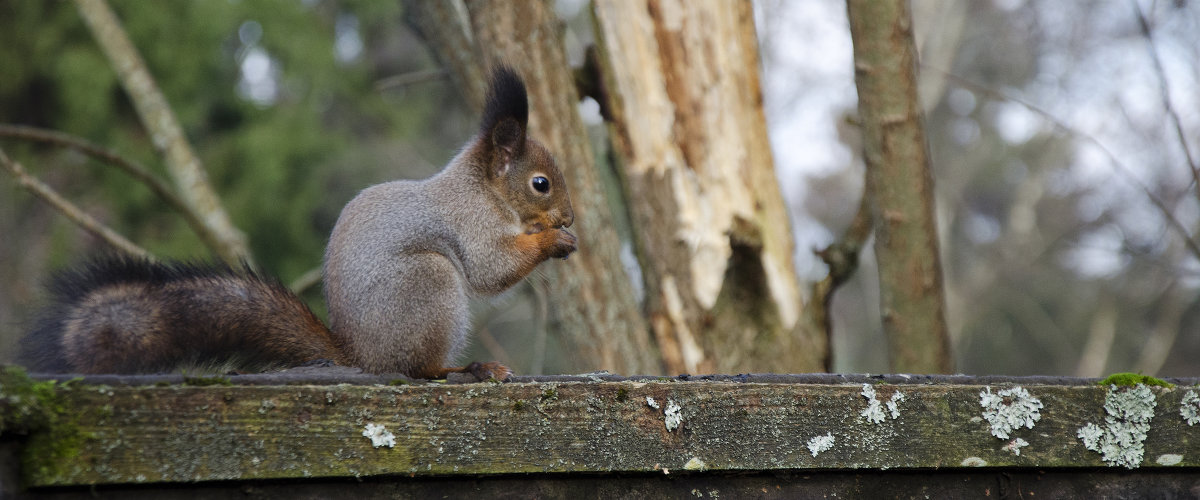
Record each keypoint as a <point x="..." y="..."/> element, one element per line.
<point x="405" y="257"/>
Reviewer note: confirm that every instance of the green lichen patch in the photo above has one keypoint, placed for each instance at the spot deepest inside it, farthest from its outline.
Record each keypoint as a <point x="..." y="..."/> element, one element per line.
<point x="1132" y="379"/>
<point x="24" y="404"/>
<point x="38" y="409"/>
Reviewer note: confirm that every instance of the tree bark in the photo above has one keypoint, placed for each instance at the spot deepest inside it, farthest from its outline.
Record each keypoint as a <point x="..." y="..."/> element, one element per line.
<point x="686" y="121"/>
<point x="444" y="26"/>
<point x="900" y="186"/>
<point x="591" y="295"/>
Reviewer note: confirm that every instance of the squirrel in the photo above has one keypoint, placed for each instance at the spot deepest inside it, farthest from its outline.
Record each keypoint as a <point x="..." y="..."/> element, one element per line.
<point x="403" y="259"/>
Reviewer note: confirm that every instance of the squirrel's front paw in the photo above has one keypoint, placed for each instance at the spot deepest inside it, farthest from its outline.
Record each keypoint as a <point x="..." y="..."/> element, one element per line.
<point x="564" y="244"/>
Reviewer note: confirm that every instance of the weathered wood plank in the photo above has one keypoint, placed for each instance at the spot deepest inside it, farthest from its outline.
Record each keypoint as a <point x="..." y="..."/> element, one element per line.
<point x="982" y="483"/>
<point x="184" y="433"/>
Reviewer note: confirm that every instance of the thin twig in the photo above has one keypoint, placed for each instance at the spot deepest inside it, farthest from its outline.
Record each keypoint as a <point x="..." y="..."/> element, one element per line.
<point x="1174" y="223"/>
<point x="73" y="212"/>
<point x="495" y="350"/>
<point x="537" y="365"/>
<point x="1166" y="96"/>
<point x="842" y="257"/>
<point x="307" y="280"/>
<point x="411" y="78"/>
<point x="136" y="170"/>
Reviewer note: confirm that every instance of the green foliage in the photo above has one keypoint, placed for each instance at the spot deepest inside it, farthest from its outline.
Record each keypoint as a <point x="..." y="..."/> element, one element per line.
<point x="283" y="168"/>
<point x="1132" y="379"/>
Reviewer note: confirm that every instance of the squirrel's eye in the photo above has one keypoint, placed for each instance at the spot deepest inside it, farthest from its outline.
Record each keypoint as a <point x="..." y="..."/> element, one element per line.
<point x="540" y="184"/>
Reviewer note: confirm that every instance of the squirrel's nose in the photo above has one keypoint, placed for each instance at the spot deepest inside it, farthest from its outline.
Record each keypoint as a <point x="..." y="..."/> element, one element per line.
<point x="568" y="218"/>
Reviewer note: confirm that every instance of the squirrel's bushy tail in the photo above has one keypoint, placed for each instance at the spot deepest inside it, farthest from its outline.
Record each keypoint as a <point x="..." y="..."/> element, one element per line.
<point x="124" y="315"/>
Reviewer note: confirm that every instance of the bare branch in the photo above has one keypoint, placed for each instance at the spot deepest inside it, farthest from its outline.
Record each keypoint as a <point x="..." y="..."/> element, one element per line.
<point x="1101" y="335"/>
<point x="73" y="212"/>
<point x="155" y="113"/>
<point x="1175" y="301"/>
<point x="1172" y="222"/>
<point x="1166" y="96"/>
<point x="493" y="347"/>
<point x="136" y="170"/>
<point x="307" y="280"/>
<point x="842" y="257"/>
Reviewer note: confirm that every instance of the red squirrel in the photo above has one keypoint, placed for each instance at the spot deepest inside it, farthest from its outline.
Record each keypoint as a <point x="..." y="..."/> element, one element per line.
<point x="403" y="259"/>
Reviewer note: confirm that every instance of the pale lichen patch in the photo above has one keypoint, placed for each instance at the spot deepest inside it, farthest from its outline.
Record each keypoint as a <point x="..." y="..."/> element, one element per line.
<point x="973" y="462"/>
<point x="1121" y="441"/>
<point x="1189" y="409"/>
<point x="379" y="436"/>
<point x="874" y="411"/>
<point x="1015" y="446"/>
<point x="1009" y="410"/>
<point x="695" y="464"/>
<point x="1168" y="459"/>
<point x="818" y="444"/>
<point x="893" y="405"/>
<point x="672" y="415"/>
<point x="651" y="402"/>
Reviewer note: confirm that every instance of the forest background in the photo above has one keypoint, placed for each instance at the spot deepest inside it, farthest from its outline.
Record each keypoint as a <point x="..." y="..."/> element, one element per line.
<point x="1062" y="137"/>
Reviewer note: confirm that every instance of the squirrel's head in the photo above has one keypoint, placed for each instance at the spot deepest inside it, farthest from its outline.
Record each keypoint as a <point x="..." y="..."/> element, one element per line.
<point x="519" y="168"/>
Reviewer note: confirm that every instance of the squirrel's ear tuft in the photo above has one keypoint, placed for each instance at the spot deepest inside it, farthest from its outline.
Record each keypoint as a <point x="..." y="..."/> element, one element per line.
<point x="506" y="99"/>
<point x="505" y="118"/>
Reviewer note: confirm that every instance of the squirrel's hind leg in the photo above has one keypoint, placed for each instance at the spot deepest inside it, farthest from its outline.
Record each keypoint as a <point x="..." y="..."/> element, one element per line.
<point x="481" y="371"/>
<point x="411" y="316"/>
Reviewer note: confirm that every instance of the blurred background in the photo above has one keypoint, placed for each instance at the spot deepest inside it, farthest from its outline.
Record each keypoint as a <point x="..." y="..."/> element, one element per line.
<point x="1061" y="140"/>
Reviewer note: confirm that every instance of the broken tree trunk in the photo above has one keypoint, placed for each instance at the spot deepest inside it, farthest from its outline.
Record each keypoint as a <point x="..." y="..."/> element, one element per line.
<point x="714" y="240"/>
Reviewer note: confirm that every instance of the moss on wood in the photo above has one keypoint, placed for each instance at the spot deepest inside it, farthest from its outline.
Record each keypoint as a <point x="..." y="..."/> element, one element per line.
<point x="1132" y="379"/>
<point x="46" y="413"/>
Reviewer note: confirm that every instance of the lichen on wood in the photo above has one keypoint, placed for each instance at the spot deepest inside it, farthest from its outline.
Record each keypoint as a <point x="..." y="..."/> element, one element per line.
<point x="600" y="424"/>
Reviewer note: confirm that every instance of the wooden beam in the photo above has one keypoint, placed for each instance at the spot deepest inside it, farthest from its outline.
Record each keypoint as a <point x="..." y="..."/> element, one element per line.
<point x="128" y="430"/>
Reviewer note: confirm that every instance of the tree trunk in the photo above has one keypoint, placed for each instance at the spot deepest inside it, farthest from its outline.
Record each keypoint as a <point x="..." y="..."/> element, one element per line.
<point x="445" y="28"/>
<point x="899" y="185"/>
<point x="714" y="240"/>
<point x="591" y="295"/>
